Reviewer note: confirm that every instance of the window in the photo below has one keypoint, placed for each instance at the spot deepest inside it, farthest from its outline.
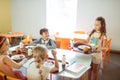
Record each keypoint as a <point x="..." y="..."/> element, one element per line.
<point x="61" y="15"/>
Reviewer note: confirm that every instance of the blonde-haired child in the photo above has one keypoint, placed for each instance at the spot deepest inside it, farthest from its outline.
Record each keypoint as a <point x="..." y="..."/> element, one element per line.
<point x="37" y="70"/>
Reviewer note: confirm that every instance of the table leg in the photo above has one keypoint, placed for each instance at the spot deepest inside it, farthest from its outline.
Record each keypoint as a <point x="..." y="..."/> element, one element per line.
<point x="85" y="76"/>
<point x="10" y="39"/>
<point x="62" y="78"/>
<point x="71" y="79"/>
<point x="80" y="78"/>
<point x="50" y="76"/>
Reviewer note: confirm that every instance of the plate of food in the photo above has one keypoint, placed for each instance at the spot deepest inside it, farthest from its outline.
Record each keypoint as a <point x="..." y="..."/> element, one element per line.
<point x="29" y="47"/>
<point x="85" y="48"/>
<point x="82" y="47"/>
<point x="18" y="57"/>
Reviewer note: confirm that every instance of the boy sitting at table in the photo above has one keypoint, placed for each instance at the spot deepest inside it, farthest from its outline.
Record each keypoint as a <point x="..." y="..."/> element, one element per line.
<point x="45" y="40"/>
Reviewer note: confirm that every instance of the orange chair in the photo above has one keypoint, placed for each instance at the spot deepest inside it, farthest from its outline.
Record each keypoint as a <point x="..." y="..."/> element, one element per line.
<point x="79" y="32"/>
<point x="76" y="39"/>
<point x="65" y="43"/>
<point x="2" y="76"/>
<point x="62" y="42"/>
<point x="108" y="48"/>
<point x="106" y="52"/>
<point x="27" y="39"/>
<point x="5" y="77"/>
<point x="57" y="44"/>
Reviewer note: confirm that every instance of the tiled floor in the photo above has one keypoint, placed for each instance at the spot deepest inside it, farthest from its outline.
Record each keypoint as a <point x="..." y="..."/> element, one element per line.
<point x="112" y="70"/>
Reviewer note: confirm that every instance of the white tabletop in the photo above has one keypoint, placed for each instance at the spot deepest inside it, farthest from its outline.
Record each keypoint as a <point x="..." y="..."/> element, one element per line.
<point x="72" y="36"/>
<point x="71" y="56"/>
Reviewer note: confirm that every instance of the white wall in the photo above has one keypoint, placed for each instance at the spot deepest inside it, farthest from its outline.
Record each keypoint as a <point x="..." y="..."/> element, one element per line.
<point x="88" y="10"/>
<point x="28" y="16"/>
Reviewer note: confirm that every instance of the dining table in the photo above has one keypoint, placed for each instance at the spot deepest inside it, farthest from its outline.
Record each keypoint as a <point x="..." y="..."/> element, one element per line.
<point x="72" y="57"/>
<point x="10" y="35"/>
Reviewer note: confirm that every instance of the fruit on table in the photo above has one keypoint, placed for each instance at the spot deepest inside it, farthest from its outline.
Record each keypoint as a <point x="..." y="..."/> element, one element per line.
<point x="18" y="50"/>
<point x="86" y="49"/>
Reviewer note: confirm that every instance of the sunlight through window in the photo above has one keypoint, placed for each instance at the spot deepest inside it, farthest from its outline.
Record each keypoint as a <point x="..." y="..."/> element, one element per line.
<point x="61" y="16"/>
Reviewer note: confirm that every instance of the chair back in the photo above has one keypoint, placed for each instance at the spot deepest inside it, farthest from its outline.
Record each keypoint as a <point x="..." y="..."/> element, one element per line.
<point x="79" y="32"/>
<point x="5" y="77"/>
<point x="108" y="44"/>
<point x="65" y="43"/>
<point x="1" y="76"/>
<point x="27" y="39"/>
<point x="57" y="44"/>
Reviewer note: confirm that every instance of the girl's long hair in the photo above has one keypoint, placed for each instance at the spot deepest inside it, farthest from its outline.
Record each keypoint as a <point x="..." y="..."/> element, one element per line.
<point x="103" y="27"/>
<point x="41" y="52"/>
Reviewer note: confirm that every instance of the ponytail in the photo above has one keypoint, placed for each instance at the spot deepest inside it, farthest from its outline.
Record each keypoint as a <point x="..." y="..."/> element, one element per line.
<point x="40" y="53"/>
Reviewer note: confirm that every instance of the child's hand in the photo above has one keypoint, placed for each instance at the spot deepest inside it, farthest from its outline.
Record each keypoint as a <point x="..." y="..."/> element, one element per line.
<point x="53" y="53"/>
<point x="25" y="60"/>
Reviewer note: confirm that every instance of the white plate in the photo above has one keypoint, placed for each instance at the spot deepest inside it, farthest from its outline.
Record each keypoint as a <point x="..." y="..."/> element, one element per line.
<point x="29" y="46"/>
<point x="83" y="46"/>
<point x="13" y="48"/>
<point x="18" y="57"/>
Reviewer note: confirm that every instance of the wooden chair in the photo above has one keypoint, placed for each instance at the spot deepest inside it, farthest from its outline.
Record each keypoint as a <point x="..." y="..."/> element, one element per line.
<point x="65" y="43"/>
<point x="62" y="43"/>
<point x="79" y="32"/>
<point x="108" y="48"/>
<point x="58" y="43"/>
<point x="2" y="76"/>
<point x="5" y="77"/>
<point x="27" y="39"/>
<point x="106" y="52"/>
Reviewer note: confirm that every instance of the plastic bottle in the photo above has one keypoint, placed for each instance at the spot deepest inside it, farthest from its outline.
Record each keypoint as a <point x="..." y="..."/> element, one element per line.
<point x="63" y="61"/>
<point x="29" y="51"/>
<point x="71" y="43"/>
<point x="21" y="44"/>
